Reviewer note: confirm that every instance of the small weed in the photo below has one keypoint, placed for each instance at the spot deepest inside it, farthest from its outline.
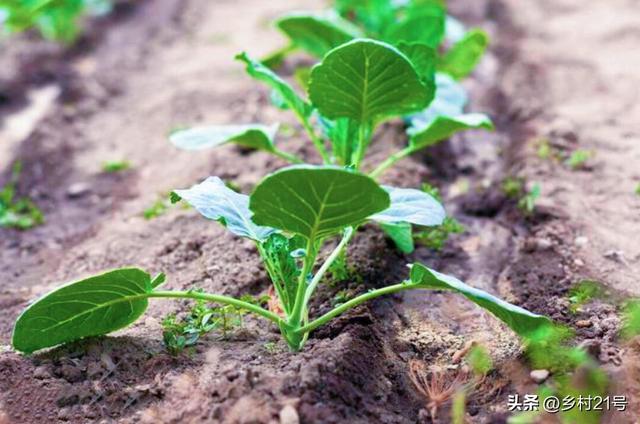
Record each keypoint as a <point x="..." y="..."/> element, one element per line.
<point x="512" y="187"/>
<point x="271" y="348"/>
<point x="200" y="320"/>
<point x="527" y="203"/>
<point x="545" y="151"/>
<point x="21" y="213"/>
<point x="341" y="297"/>
<point x="638" y="190"/>
<point x="583" y="292"/>
<point x="480" y="361"/>
<point x="157" y="209"/>
<point x="578" y="159"/>
<point x="112" y="167"/>
<point x="436" y="237"/>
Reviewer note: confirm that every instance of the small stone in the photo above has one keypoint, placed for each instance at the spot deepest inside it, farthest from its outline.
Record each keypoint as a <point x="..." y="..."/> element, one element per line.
<point x="42" y="372"/>
<point x="289" y="415"/>
<point x="70" y="373"/>
<point x="581" y="241"/>
<point x="64" y="414"/>
<point x="77" y="190"/>
<point x="539" y="376"/>
<point x="583" y="323"/>
<point x="578" y="263"/>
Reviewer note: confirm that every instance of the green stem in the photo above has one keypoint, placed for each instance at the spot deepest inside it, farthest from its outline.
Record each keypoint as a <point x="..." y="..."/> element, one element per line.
<point x="276" y="278"/>
<point x="391" y="160"/>
<point x="287" y="156"/>
<point x="363" y="142"/>
<point x="217" y="299"/>
<point x="348" y="233"/>
<point x="318" y="322"/>
<point x="298" y="307"/>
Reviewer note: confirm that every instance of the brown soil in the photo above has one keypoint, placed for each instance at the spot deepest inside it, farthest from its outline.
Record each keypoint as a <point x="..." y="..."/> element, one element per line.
<point x="161" y="64"/>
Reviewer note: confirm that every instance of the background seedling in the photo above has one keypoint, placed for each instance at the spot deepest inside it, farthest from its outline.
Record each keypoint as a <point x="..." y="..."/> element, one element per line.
<point x="527" y="203"/>
<point x="297" y="206"/>
<point x="115" y="166"/>
<point x="54" y="19"/>
<point x="19" y="213"/>
<point x="578" y="159"/>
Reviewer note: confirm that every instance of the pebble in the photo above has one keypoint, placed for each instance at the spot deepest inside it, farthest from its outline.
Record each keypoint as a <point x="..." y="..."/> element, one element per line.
<point x="581" y="241"/>
<point x="539" y="376"/>
<point x="584" y="323"/>
<point x="289" y="415"/>
<point x="76" y="190"/>
<point x="41" y="372"/>
<point x="70" y="373"/>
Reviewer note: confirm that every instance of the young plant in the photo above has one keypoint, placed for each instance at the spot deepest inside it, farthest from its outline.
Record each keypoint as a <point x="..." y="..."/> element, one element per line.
<point x="112" y="167"/>
<point x="291" y="215"/>
<point x="411" y="23"/>
<point x="55" y="19"/>
<point x="357" y="86"/>
<point x="21" y="213"/>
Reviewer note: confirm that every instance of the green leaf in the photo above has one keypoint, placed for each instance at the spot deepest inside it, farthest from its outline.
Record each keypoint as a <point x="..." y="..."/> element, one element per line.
<point x="317" y="33"/>
<point x="423" y="24"/>
<point x="260" y="72"/>
<point x="443" y="127"/>
<point x="367" y="81"/>
<point x="316" y="201"/>
<point x="411" y="206"/>
<point x="213" y="199"/>
<point x="424" y="60"/>
<point x="373" y="15"/>
<point x="254" y="136"/>
<point x="92" y="307"/>
<point x="450" y="100"/>
<point x="401" y="234"/>
<point x="523" y="322"/>
<point x="463" y="57"/>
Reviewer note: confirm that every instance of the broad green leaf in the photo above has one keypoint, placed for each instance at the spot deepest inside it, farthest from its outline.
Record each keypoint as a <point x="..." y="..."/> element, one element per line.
<point x="401" y="234"/>
<point x="450" y="100"/>
<point x="411" y="206"/>
<point x="373" y="15"/>
<point x="425" y="24"/>
<point x="260" y="72"/>
<point x="254" y="136"/>
<point x="213" y="199"/>
<point x="316" y="201"/>
<point x="92" y="307"/>
<point x="463" y="57"/>
<point x="317" y="33"/>
<point x="367" y="81"/>
<point x="518" y="319"/>
<point x="443" y="127"/>
<point x="424" y="60"/>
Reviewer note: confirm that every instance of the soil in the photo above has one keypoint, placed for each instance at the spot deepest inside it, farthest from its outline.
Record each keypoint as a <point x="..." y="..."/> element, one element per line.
<point x="156" y="65"/>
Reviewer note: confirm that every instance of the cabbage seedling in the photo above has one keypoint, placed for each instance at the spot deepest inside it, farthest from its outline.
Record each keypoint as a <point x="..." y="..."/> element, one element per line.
<point x="357" y="86"/>
<point x="290" y="216"/>
<point x="413" y="22"/>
